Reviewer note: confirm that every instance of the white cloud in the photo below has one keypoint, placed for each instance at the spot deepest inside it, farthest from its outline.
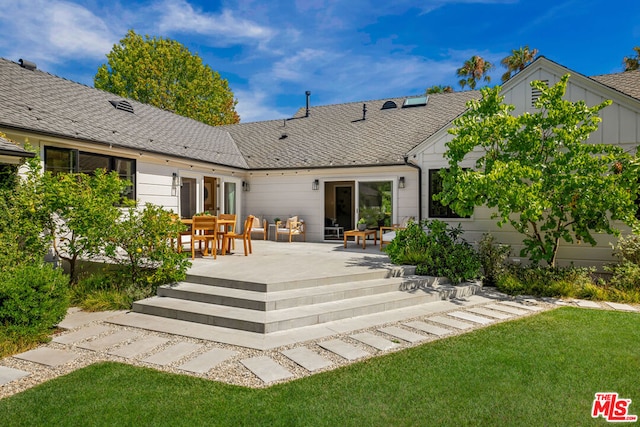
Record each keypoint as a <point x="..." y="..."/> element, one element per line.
<point x="180" y="16"/>
<point x="52" y="31"/>
<point x="255" y="106"/>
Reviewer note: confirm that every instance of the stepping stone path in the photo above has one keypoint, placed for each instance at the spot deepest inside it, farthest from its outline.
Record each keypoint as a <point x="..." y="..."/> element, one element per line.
<point x="490" y="313"/>
<point x="81" y="334"/>
<point x="308" y="359"/>
<point x="374" y="341"/>
<point x="267" y="369"/>
<point x="448" y="321"/>
<point x="428" y="328"/>
<point x="9" y="374"/>
<point x="103" y="343"/>
<point x="206" y="361"/>
<point x="470" y="317"/>
<point x="621" y="307"/>
<point x="48" y="356"/>
<point x="403" y="334"/>
<point x="343" y="349"/>
<point x="507" y="309"/>
<point x="587" y="304"/>
<point x="139" y="347"/>
<point x="523" y="306"/>
<point x="173" y="353"/>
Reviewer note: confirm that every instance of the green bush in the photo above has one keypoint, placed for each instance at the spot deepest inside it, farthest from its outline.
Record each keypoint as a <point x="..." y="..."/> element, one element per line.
<point x="625" y="276"/>
<point x="33" y="298"/>
<point x="545" y="281"/>
<point x="492" y="257"/>
<point x="438" y="251"/>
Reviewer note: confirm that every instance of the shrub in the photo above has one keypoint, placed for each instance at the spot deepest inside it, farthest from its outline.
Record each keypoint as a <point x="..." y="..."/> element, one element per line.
<point x="438" y="251"/>
<point x="33" y="298"/>
<point x="545" y="281"/>
<point x="492" y="257"/>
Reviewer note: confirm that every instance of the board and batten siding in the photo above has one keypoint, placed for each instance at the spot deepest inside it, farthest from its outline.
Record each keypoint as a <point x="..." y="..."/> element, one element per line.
<point x="620" y="126"/>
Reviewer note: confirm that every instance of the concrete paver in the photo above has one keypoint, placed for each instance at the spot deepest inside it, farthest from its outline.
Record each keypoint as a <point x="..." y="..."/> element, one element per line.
<point x="206" y="361"/>
<point x="470" y="317"/>
<point x="48" y="356"/>
<point x="490" y="313"/>
<point x="448" y="321"/>
<point x="139" y="347"/>
<point x="173" y="353"/>
<point x="587" y="304"/>
<point x="81" y="334"/>
<point x="267" y="369"/>
<point x="111" y="340"/>
<point x="344" y="349"/>
<point x="374" y="341"/>
<point x="307" y="358"/>
<point x="76" y="318"/>
<point x="9" y="374"/>
<point x="523" y="306"/>
<point x="403" y="334"/>
<point x="428" y="328"/>
<point x="621" y="307"/>
<point x="507" y="309"/>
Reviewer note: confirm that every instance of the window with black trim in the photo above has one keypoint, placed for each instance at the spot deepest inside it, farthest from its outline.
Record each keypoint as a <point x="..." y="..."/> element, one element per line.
<point x="436" y="208"/>
<point x="64" y="160"/>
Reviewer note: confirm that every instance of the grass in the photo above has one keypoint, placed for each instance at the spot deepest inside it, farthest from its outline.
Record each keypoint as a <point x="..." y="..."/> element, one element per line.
<point x="538" y="370"/>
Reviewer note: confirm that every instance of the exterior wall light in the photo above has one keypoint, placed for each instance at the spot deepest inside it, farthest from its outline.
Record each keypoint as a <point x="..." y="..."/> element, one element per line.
<point x="315" y="185"/>
<point x="174" y="179"/>
<point x="401" y="182"/>
<point x="245" y="185"/>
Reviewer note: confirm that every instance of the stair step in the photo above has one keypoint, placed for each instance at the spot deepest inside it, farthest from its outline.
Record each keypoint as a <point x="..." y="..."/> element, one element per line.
<point x="295" y="283"/>
<point x="284" y="319"/>
<point x="282" y="299"/>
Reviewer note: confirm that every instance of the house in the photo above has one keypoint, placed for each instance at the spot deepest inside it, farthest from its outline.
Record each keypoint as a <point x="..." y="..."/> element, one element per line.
<point x="327" y="164"/>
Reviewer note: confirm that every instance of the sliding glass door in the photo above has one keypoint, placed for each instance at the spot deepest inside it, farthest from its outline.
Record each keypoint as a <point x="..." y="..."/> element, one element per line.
<point x="375" y="202"/>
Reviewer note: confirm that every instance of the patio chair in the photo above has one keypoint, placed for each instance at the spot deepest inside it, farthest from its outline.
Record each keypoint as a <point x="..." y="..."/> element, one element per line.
<point x="229" y="228"/>
<point x="263" y="228"/>
<point x="388" y="233"/>
<point x="245" y="236"/>
<point x="204" y="229"/>
<point x="181" y="235"/>
<point x="293" y="227"/>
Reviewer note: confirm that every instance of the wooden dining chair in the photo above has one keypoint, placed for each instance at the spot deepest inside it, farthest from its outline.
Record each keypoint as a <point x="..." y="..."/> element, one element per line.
<point x="228" y="228"/>
<point x="181" y="234"/>
<point x="204" y="229"/>
<point x="245" y="236"/>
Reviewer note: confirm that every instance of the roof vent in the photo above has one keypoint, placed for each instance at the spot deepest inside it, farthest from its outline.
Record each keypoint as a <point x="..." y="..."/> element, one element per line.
<point x="27" y="64"/>
<point x="389" y="105"/>
<point x="123" y="105"/>
<point x="535" y="93"/>
<point x="417" y="101"/>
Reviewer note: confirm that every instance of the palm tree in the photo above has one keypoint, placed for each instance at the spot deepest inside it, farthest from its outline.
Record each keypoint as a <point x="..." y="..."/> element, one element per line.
<point x="631" y="63"/>
<point x="439" y="89"/>
<point x="473" y="70"/>
<point x="517" y="61"/>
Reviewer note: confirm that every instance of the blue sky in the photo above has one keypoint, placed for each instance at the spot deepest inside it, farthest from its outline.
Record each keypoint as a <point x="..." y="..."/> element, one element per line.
<point x="271" y="52"/>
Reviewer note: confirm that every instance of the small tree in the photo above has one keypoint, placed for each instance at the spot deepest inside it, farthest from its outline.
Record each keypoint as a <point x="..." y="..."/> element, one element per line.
<point x="81" y="210"/>
<point x="538" y="172"/>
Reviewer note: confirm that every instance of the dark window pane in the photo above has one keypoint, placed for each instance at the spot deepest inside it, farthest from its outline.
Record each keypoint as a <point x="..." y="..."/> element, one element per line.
<point x="88" y="163"/>
<point x="59" y="160"/>
<point x="437" y="209"/>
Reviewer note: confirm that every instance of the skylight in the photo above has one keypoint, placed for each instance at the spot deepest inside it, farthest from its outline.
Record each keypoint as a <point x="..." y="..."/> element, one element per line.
<point x="417" y="101"/>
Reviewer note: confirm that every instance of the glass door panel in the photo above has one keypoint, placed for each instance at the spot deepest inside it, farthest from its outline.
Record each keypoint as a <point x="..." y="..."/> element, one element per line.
<point x="375" y="202"/>
<point x="230" y="198"/>
<point x="188" y="197"/>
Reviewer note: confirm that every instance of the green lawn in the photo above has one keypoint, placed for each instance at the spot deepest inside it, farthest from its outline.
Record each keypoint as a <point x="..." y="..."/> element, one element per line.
<point x="538" y="370"/>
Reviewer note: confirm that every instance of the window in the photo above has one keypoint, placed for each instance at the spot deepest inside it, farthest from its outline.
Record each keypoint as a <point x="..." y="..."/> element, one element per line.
<point x="437" y="209"/>
<point x="63" y="160"/>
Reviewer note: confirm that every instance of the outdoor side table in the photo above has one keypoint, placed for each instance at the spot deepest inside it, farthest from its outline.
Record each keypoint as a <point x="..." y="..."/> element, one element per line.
<point x="357" y="234"/>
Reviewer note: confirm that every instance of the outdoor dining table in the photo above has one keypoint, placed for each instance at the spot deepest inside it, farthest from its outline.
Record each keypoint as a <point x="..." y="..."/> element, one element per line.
<point x="223" y="225"/>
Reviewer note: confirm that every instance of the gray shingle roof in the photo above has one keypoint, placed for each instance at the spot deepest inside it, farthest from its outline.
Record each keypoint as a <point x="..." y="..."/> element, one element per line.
<point x="336" y="135"/>
<point x="627" y="82"/>
<point x="8" y="148"/>
<point x="41" y="102"/>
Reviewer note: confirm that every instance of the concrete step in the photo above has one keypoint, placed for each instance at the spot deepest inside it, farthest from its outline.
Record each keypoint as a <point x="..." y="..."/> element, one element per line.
<point x="307" y="282"/>
<point x="279" y="300"/>
<point x="283" y="319"/>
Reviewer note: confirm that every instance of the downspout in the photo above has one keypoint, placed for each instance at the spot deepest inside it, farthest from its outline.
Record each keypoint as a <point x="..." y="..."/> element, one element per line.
<point x="413" y="165"/>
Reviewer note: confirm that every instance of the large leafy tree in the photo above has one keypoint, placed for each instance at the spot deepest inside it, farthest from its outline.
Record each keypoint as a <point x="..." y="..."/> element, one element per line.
<point x="473" y="70"/>
<point x="632" y="63"/>
<point x="163" y="73"/>
<point x="516" y="62"/>
<point x="538" y="172"/>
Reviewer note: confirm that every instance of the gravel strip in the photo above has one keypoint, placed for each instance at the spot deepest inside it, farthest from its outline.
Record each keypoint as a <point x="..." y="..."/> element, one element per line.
<point x="231" y="371"/>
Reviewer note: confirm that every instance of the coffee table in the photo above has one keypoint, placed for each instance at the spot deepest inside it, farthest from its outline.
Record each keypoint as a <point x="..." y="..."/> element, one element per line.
<point x="357" y="234"/>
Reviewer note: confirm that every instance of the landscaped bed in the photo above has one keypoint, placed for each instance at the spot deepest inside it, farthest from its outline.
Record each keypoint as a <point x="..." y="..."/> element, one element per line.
<point x="539" y="370"/>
